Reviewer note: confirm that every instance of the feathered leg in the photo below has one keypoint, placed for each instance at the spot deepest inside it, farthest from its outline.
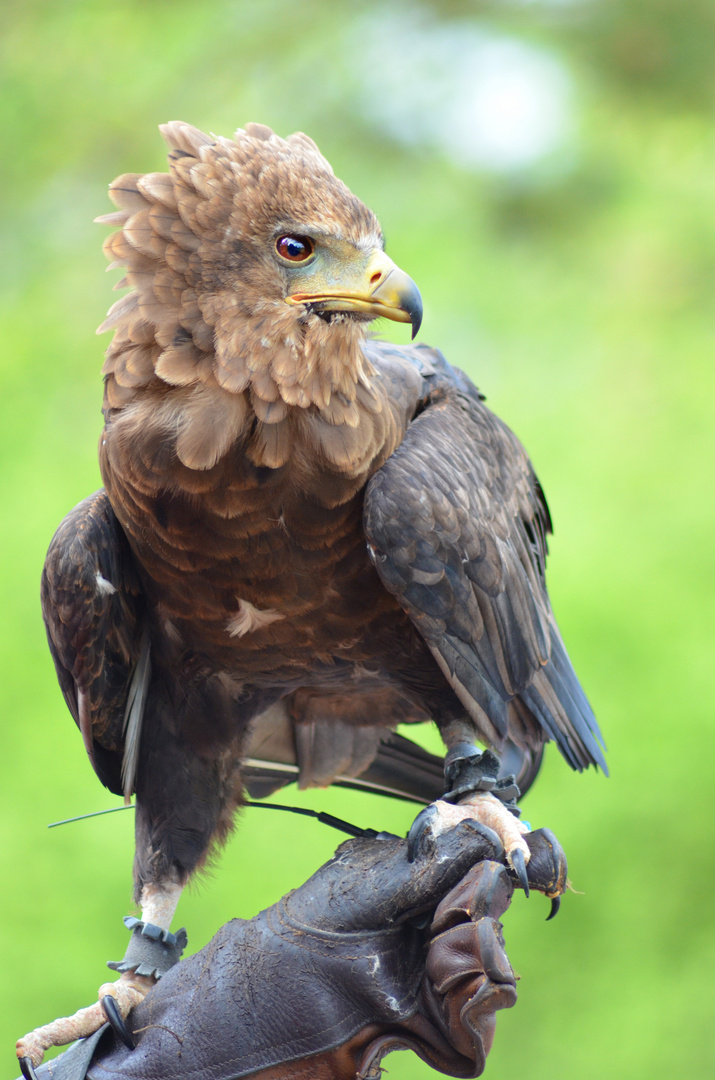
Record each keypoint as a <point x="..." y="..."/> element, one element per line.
<point x="185" y="802"/>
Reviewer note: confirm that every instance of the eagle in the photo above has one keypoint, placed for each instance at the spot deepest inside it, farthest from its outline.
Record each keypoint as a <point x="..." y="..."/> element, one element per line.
<point x="306" y="536"/>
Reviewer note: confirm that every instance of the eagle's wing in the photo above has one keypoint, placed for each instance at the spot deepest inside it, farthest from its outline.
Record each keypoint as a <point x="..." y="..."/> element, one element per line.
<point x="91" y="604"/>
<point x="456" y="524"/>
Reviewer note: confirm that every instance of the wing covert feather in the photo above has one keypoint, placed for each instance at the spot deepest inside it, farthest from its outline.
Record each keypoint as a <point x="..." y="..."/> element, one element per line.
<point x="91" y="604"/>
<point x="456" y="523"/>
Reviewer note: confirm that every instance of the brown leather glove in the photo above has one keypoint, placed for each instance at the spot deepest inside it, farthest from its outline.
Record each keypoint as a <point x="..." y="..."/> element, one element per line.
<point x="374" y="953"/>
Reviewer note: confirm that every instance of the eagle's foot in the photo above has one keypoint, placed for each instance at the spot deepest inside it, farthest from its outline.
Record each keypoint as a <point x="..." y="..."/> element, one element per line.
<point x="535" y="859"/>
<point x="483" y="809"/>
<point x="473" y="782"/>
<point x="127" y="992"/>
<point x="490" y="811"/>
<point x="152" y="950"/>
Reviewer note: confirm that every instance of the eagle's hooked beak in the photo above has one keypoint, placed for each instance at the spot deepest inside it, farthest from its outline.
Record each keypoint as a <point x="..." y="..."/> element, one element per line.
<point x="380" y="289"/>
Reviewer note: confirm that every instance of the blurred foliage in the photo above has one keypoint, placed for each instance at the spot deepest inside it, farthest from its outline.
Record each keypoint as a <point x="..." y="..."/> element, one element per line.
<point x="579" y="299"/>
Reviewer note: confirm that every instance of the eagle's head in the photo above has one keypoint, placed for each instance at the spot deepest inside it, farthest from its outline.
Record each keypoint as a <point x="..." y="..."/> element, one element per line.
<point x="252" y="267"/>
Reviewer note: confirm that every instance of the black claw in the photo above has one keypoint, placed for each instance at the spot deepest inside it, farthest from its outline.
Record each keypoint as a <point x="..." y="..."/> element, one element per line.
<point x="555" y="905"/>
<point x="27" y="1068"/>
<point x="420" y="835"/>
<point x="115" y="1021"/>
<point x="517" y="861"/>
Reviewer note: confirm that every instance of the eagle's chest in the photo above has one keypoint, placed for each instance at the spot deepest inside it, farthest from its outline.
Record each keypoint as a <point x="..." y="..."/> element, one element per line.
<point x="247" y="564"/>
<point x="255" y="565"/>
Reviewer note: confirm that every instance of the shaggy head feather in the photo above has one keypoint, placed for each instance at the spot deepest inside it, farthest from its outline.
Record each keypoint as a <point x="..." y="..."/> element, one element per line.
<point x="207" y="307"/>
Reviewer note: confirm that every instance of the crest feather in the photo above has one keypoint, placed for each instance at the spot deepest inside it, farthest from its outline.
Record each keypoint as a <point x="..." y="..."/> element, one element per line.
<point x="207" y="309"/>
<point x="184" y="137"/>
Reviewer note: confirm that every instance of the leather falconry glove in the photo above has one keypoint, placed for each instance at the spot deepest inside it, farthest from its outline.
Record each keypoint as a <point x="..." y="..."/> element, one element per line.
<point x="377" y="951"/>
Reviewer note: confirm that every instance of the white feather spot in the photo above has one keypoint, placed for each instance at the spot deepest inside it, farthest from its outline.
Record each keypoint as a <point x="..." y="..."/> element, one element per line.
<point x="249" y="618"/>
<point x="103" y="586"/>
<point x="171" y="631"/>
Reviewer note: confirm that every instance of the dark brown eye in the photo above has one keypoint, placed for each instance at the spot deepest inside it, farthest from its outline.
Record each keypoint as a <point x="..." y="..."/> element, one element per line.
<point x="295" y="249"/>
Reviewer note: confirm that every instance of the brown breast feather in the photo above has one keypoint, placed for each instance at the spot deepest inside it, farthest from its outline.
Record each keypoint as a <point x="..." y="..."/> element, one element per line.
<point x="240" y="432"/>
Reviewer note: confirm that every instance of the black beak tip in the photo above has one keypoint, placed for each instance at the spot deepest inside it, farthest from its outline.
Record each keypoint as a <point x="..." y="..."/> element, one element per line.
<point x="411" y="304"/>
<point x="415" y="313"/>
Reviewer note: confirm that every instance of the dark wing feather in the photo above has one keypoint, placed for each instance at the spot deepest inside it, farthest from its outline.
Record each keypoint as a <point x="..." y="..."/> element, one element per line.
<point x="91" y="604"/>
<point x="456" y="524"/>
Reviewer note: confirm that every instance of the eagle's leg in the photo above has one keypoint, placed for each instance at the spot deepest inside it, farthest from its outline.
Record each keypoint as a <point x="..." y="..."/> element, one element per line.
<point x="166" y="854"/>
<point x="152" y="950"/>
<point x="149" y="955"/>
<point x="474" y="791"/>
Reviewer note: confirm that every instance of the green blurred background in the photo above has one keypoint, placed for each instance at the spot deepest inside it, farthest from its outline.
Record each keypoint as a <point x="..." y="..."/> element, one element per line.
<point x="544" y="170"/>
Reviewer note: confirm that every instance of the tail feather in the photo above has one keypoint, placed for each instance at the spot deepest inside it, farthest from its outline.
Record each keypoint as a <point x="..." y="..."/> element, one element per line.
<point x="400" y="769"/>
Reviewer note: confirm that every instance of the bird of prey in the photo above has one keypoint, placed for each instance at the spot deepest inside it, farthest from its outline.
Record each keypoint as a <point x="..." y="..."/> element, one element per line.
<point x="305" y="537"/>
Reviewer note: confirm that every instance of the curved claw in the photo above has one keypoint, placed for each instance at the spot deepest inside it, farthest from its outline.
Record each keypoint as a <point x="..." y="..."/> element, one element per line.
<point x="27" y="1068"/>
<point x="555" y="905"/>
<point x="116" y="1022"/>
<point x="516" y="858"/>
<point x="420" y="833"/>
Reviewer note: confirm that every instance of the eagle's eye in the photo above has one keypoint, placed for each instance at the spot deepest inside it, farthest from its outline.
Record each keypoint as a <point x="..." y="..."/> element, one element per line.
<point x="295" y="249"/>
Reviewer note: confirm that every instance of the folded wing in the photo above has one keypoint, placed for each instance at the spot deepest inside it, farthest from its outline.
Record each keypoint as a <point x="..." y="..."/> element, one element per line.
<point x="92" y="607"/>
<point x="456" y="524"/>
